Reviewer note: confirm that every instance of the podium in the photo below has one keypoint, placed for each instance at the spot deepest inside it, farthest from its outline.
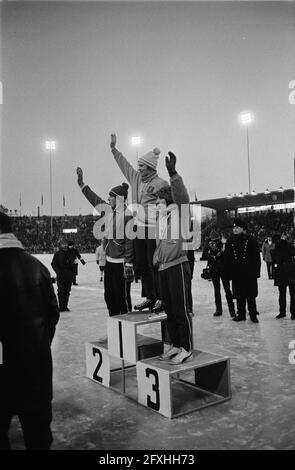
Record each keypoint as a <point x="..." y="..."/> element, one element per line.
<point x="175" y="390"/>
<point x="128" y="362"/>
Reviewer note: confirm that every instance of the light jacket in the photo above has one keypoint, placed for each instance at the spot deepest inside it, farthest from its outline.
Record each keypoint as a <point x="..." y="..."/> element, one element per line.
<point x="100" y="255"/>
<point x="143" y="193"/>
<point x="266" y="251"/>
<point x="170" y="249"/>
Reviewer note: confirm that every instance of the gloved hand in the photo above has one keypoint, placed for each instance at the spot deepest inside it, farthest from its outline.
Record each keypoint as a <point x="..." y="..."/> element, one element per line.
<point x="128" y="273"/>
<point x="170" y="164"/>
<point x="82" y="261"/>
<point x="113" y="141"/>
<point x="80" y="176"/>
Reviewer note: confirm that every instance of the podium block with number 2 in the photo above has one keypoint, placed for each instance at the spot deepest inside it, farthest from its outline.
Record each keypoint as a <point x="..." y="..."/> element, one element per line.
<point x="98" y="363"/>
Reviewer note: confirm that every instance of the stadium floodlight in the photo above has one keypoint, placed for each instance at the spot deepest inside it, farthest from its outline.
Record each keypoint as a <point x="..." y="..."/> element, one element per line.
<point x="241" y="195"/>
<point x="50" y="145"/>
<point x="136" y="141"/>
<point x="253" y="193"/>
<point x="281" y="189"/>
<point x="246" y="119"/>
<point x="266" y="191"/>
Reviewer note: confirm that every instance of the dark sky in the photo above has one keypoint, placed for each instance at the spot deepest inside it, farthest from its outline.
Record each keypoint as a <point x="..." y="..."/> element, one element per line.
<point x="178" y="74"/>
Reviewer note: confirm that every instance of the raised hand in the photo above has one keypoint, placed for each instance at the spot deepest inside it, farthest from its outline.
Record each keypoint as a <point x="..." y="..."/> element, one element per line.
<point x="170" y="163"/>
<point x="113" y="141"/>
<point x="80" y="176"/>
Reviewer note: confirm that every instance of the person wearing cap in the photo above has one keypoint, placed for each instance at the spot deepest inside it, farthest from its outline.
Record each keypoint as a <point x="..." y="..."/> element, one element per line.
<point x="63" y="263"/>
<point x="266" y="250"/>
<point x="29" y="315"/>
<point x="118" y="246"/>
<point x="216" y="266"/>
<point x="145" y="183"/>
<point x="242" y="266"/>
<point x="76" y="256"/>
<point x="170" y="257"/>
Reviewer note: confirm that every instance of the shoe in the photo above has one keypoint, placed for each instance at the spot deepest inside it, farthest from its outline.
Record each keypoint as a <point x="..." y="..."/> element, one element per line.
<point x="170" y="353"/>
<point x="181" y="357"/>
<point x="238" y="318"/>
<point x="158" y="306"/>
<point x="146" y="304"/>
<point x="254" y="319"/>
<point x="217" y="314"/>
<point x="281" y="315"/>
<point x="154" y="315"/>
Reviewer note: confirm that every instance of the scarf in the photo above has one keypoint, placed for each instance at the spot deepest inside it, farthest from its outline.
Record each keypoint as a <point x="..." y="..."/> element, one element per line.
<point x="148" y="178"/>
<point x="8" y="240"/>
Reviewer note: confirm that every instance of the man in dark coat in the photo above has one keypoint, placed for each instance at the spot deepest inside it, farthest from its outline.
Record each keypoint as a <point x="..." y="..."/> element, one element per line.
<point x="29" y="314"/>
<point x="63" y="263"/>
<point x="242" y="266"/>
<point x="76" y="256"/>
<point x="216" y="266"/>
<point x="284" y="273"/>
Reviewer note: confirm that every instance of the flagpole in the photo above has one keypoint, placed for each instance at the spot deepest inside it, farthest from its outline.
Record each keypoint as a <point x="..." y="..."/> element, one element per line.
<point x="20" y="204"/>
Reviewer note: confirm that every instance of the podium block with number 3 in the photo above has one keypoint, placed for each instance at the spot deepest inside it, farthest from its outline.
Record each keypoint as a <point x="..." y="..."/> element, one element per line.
<point x="154" y="389"/>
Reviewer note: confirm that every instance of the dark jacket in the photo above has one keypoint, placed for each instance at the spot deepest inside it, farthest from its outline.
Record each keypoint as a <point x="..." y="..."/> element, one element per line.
<point x="242" y="257"/>
<point x="63" y="263"/>
<point x="29" y="314"/>
<point x="215" y="260"/>
<point x="283" y="258"/>
<point x="115" y="242"/>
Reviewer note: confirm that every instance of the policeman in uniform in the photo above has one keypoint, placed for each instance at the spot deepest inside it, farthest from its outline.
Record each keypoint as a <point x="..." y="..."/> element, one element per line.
<point x="242" y="266"/>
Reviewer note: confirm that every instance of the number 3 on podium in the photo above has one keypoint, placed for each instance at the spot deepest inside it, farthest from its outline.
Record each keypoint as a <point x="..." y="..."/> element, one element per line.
<point x="154" y="388"/>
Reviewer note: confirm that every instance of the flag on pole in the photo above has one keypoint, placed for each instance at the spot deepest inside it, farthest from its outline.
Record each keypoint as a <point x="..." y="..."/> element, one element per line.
<point x="20" y="203"/>
<point x="63" y="201"/>
<point x="41" y="199"/>
<point x="196" y="198"/>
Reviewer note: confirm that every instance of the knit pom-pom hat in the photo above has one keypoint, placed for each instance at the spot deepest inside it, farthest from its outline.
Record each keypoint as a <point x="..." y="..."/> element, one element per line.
<point x="121" y="190"/>
<point x="150" y="158"/>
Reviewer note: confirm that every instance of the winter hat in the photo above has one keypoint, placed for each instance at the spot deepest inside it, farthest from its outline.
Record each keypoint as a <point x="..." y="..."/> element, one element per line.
<point x="165" y="193"/>
<point x="150" y="158"/>
<point x="240" y="223"/>
<point x="214" y="235"/>
<point x="120" y="190"/>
